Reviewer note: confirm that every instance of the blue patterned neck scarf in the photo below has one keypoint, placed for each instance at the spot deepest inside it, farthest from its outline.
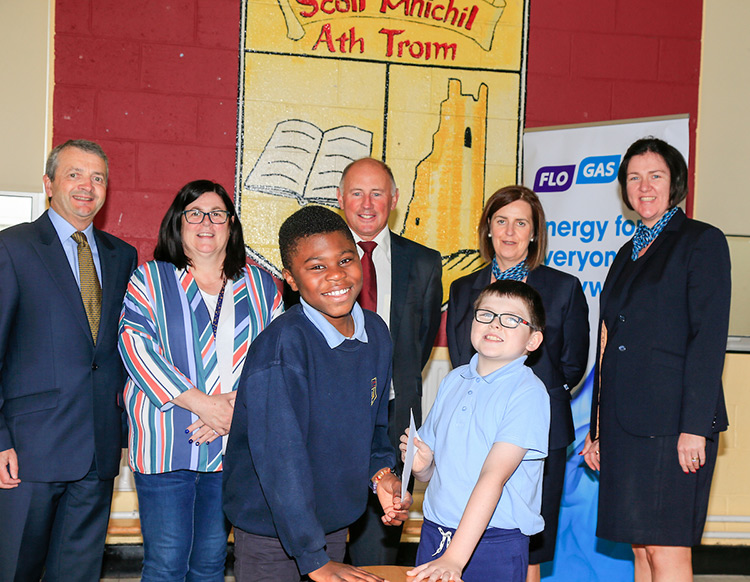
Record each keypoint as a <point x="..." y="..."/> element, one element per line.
<point x="517" y="273"/>
<point x="644" y="235"/>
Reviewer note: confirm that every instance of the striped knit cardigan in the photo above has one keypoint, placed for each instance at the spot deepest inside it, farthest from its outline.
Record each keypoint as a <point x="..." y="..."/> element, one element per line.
<point x="167" y="345"/>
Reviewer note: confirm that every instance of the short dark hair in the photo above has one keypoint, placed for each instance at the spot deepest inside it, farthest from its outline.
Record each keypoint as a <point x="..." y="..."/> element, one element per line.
<point x="169" y="246"/>
<point x="308" y="221"/>
<point x="503" y="197"/>
<point x="85" y="145"/>
<point x="518" y="290"/>
<point x="678" y="171"/>
<point x="385" y="167"/>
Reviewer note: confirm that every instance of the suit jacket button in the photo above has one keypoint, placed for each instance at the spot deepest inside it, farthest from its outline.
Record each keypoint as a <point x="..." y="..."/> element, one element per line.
<point x="622" y="318"/>
<point x="622" y="348"/>
<point x="94" y="366"/>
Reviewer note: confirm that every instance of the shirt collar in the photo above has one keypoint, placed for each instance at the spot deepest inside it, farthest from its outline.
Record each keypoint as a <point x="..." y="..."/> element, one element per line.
<point x="470" y="372"/>
<point x="64" y="229"/>
<point x="383" y="240"/>
<point x="334" y="338"/>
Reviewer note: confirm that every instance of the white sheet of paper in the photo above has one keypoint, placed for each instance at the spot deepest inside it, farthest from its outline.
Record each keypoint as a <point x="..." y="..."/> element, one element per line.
<point x="409" y="458"/>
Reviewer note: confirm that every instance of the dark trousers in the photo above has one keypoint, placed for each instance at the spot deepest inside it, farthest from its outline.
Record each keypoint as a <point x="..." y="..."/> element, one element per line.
<point x="501" y="554"/>
<point x="54" y="529"/>
<point x="542" y="545"/>
<point x="263" y="559"/>
<point x="371" y="542"/>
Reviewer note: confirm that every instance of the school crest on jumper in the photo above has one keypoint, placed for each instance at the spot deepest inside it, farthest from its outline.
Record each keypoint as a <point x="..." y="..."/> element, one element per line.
<point x="373" y="390"/>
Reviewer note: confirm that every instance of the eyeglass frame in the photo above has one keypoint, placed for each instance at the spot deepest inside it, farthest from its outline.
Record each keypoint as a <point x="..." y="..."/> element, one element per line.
<point x="208" y="214"/>
<point x="517" y="318"/>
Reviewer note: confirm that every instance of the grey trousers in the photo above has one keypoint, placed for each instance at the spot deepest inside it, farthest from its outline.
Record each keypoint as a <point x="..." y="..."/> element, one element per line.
<point x="263" y="559"/>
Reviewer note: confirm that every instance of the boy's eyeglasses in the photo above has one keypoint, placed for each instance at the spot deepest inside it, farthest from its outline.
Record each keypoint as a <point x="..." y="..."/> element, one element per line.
<point x="506" y="319"/>
<point x="196" y="216"/>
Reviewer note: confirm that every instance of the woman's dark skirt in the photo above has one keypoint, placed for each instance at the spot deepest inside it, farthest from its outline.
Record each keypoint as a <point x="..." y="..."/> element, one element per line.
<point x="644" y="496"/>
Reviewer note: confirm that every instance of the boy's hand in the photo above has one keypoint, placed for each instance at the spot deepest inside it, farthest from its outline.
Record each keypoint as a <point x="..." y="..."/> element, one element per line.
<point x="440" y="569"/>
<point x="423" y="456"/>
<point x="395" y="509"/>
<point x="337" y="572"/>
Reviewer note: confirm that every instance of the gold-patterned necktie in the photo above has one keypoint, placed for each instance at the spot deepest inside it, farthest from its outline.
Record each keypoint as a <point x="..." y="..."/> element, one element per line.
<point x="91" y="291"/>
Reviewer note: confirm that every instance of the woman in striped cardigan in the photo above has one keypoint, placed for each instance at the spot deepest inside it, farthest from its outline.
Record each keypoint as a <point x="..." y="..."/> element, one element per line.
<point x="186" y="324"/>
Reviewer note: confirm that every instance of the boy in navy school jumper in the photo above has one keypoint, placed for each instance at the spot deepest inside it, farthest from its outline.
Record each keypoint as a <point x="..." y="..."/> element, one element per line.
<point x="310" y="426"/>
<point x="483" y="447"/>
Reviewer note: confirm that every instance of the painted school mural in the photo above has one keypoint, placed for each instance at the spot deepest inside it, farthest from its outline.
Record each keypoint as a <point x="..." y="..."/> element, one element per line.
<point x="433" y="87"/>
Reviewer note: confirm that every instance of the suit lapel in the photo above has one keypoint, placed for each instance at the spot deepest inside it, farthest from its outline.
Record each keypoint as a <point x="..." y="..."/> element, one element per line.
<point x="671" y="227"/>
<point x="623" y="255"/>
<point x="108" y="265"/>
<point x="464" y="320"/>
<point x="50" y="250"/>
<point x="643" y="262"/>
<point x="400" y="272"/>
<point x="538" y="280"/>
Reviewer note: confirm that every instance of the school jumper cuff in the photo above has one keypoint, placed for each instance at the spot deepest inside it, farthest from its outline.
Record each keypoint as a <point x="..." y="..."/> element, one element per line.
<point x="311" y="561"/>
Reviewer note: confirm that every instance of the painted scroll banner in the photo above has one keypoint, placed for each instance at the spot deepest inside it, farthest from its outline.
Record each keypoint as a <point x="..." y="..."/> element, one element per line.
<point x="474" y="19"/>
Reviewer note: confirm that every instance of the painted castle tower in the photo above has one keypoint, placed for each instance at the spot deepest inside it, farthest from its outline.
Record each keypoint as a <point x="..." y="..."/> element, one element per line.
<point x="449" y="184"/>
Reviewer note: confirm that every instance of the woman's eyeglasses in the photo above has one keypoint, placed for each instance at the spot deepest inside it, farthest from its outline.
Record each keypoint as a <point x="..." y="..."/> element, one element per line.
<point x="196" y="216"/>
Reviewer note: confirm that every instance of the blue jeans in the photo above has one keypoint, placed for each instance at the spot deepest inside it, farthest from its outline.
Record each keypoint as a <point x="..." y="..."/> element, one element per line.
<point x="183" y="526"/>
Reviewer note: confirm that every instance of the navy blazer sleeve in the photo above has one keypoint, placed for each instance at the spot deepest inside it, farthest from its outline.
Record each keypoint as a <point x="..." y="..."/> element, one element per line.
<point x="709" y="293"/>
<point x="8" y="305"/>
<point x="576" y="336"/>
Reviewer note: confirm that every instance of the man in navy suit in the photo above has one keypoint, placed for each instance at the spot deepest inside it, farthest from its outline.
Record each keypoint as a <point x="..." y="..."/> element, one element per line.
<point x="409" y="296"/>
<point x="61" y="377"/>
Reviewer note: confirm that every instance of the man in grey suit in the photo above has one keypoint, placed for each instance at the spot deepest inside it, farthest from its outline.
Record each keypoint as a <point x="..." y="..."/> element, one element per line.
<point x="62" y="283"/>
<point x="408" y="295"/>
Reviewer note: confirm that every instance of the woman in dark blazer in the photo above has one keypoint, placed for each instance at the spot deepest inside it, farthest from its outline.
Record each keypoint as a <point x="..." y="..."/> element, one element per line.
<point x="513" y="239"/>
<point x="658" y="403"/>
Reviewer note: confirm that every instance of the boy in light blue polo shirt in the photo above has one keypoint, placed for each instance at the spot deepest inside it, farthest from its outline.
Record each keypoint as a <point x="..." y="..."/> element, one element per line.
<point x="483" y="447"/>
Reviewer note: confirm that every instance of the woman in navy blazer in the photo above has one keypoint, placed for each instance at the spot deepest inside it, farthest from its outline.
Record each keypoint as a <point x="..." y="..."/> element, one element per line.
<point x="658" y="403"/>
<point x="513" y="238"/>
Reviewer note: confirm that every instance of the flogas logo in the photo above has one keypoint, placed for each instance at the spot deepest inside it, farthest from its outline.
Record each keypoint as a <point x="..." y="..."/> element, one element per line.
<point x="598" y="170"/>
<point x="591" y="170"/>
<point x="554" y="178"/>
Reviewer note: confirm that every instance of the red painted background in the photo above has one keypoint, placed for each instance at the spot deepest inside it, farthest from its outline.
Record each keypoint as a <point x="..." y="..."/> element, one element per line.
<point x="155" y="82"/>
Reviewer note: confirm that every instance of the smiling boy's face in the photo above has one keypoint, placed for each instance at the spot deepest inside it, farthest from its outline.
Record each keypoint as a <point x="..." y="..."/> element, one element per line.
<point x="326" y="271"/>
<point x="498" y="345"/>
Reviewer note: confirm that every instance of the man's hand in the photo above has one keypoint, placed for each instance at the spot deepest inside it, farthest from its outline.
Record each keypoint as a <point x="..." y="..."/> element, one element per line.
<point x="337" y="572"/>
<point x="395" y="510"/>
<point x="9" y="469"/>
